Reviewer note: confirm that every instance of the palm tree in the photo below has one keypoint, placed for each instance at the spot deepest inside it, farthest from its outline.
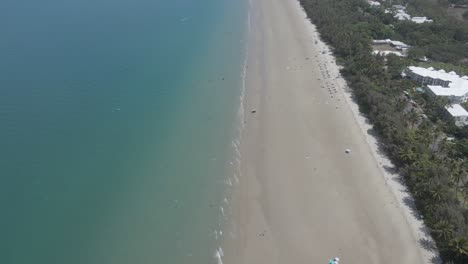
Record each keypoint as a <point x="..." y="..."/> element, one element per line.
<point x="461" y="178"/>
<point x="447" y="151"/>
<point x="465" y="192"/>
<point x="413" y="118"/>
<point x="443" y="230"/>
<point x="408" y="155"/>
<point x="423" y="161"/>
<point x="457" y="174"/>
<point x="459" y="246"/>
<point x="429" y="208"/>
<point x="438" y="193"/>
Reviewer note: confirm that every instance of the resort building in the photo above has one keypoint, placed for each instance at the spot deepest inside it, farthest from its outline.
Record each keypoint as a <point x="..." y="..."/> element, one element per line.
<point x="399" y="45"/>
<point x="423" y="59"/>
<point x="387" y="52"/>
<point x="458" y="114"/>
<point x="420" y="20"/>
<point x="401" y="15"/>
<point x="440" y="83"/>
<point x="387" y="46"/>
<point x="454" y="95"/>
<point x="394" y="43"/>
<point x="398" y="7"/>
<point x="399" y="12"/>
<point x="373" y="3"/>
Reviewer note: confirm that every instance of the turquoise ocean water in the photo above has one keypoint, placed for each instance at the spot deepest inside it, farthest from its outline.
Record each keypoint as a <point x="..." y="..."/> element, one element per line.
<point x="116" y="121"/>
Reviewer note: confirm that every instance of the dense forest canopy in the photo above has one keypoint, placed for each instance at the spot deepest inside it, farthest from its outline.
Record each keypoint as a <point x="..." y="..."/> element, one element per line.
<point x="458" y="2"/>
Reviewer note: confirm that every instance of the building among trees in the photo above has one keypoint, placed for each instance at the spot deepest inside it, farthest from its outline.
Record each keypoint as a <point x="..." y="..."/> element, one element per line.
<point x="440" y="83"/>
<point x="458" y="114"/>
<point x="399" y="12"/>
<point x="387" y="46"/>
<point x="420" y="20"/>
<point x="373" y="3"/>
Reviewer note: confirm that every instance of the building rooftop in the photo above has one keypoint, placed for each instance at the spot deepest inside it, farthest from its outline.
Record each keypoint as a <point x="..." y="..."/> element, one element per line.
<point x="402" y="15"/>
<point x="452" y="76"/>
<point x="458" y="86"/>
<point x="386" y="52"/>
<point x="399" y="43"/>
<point x="399" y="7"/>
<point x="373" y="3"/>
<point x="389" y="41"/>
<point x="456" y="110"/>
<point x="448" y="91"/>
<point x="399" y="12"/>
<point x="420" y="20"/>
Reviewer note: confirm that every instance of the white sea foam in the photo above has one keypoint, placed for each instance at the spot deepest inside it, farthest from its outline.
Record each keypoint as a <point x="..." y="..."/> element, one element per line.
<point x="219" y="254"/>
<point x="236" y="179"/>
<point x="235" y="162"/>
<point x="222" y="210"/>
<point x="229" y="182"/>
<point x="184" y="19"/>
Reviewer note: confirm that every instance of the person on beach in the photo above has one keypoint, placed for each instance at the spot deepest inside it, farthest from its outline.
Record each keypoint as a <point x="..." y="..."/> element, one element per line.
<point x="334" y="261"/>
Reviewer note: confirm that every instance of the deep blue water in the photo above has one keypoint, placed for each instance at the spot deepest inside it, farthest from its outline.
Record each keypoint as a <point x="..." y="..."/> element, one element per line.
<point x="116" y="121"/>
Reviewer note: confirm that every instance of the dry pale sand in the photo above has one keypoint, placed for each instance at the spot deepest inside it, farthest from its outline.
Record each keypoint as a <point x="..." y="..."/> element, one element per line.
<point x="300" y="198"/>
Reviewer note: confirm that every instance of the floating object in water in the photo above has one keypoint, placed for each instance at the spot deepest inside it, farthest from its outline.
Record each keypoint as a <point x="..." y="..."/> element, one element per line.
<point x="253" y="111"/>
<point x="347" y="151"/>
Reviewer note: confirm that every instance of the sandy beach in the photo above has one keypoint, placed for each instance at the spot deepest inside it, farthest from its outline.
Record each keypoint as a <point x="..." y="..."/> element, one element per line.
<point x="300" y="197"/>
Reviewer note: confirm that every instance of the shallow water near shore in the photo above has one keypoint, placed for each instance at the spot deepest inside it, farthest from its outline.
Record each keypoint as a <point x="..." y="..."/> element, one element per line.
<point x="118" y="129"/>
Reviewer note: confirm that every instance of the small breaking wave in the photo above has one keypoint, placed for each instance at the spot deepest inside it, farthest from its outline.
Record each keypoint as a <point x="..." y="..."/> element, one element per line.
<point x="219" y="254"/>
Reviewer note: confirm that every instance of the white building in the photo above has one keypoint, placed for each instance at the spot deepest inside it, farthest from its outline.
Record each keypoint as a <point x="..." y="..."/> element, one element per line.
<point x="401" y="15"/>
<point x="380" y="41"/>
<point x="399" y="12"/>
<point x="458" y="113"/>
<point x="398" y="7"/>
<point x="387" y="52"/>
<point x="454" y="95"/>
<point x="394" y="43"/>
<point x="441" y="83"/>
<point x="385" y="47"/>
<point x="420" y="20"/>
<point x="423" y="59"/>
<point x="399" y="45"/>
<point x="373" y="3"/>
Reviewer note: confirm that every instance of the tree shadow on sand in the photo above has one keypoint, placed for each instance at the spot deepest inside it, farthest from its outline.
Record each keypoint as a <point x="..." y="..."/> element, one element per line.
<point x="436" y="260"/>
<point x="409" y="202"/>
<point x="380" y="147"/>
<point x="428" y="244"/>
